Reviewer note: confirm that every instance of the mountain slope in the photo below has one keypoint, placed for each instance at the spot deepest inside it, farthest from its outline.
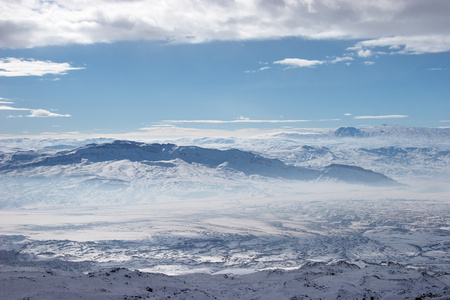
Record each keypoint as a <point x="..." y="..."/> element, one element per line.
<point x="352" y="174"/>
<point x="166" y="155"/>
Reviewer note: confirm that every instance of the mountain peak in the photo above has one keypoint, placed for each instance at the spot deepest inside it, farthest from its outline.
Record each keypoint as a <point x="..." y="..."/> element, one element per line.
<point x="348" y="132"/>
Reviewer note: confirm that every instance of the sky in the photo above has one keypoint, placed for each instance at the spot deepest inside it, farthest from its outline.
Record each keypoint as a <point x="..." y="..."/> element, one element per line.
<point x="84" y="68"/>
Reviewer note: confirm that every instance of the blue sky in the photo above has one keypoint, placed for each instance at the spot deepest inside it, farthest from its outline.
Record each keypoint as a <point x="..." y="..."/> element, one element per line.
<point x="73" y="68"/>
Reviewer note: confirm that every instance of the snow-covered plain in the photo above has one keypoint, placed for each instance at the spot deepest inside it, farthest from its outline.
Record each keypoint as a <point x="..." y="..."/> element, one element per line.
<point x="63" y="216"/>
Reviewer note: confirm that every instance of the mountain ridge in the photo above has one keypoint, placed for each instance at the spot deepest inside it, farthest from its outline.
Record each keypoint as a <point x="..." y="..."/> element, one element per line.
<point x="394" y="131"/>
<point x="231" y="159"/>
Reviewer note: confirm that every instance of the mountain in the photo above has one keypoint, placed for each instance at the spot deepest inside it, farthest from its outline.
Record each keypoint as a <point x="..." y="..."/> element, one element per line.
<point x="348" y="132"/>
<point x="356" y="175"/>
<point x="393" y="131"/>
<point x="233" y="160"/>
<point x="392" y="161"/>
<point x="387" y="134"/>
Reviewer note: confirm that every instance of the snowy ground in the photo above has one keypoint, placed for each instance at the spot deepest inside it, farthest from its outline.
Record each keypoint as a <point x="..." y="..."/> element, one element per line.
<point x="338" y="280"/>
<point x="61" y="235"/>
<point x="175" y="236"/>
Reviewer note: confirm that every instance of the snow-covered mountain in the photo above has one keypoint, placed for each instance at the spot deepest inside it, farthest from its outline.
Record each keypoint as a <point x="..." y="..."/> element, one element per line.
<point x="349" y="132"/>
<point x="391" y="131"/>
<point x="394" y="161"/>
<point x="389" y="134"/>
<point x="160" y="154"/>
<point x="352" y="174"/>
<point x="406" y="132"/>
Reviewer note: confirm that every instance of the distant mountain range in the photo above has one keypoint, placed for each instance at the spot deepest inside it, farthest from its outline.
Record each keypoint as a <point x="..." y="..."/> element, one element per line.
<point x="392" y="131"/>
<point x="383" y="131"/>
<point x="167" y="155"/>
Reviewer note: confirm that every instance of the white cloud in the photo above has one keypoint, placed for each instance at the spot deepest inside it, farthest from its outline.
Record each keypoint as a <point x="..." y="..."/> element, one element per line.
<point x="417" y="44"/>
<point x="305" y="63"/>
<point x="328" y="120"/>
<point x="364" y="53"/>
<point x="5" y="101"/>
<point x="382" y="117"/>
<point x="299" y="63"/>
<point x="34" y="113"/>
<point x="240" y="120"/>
<point x="259" y="70"/>
<point x="6" y="107"/>
<point x="369" y="63"/>
<point x="42" y="113"/>
<point x="13" y="67"/>
<point x="347" y="114"/>
<point x="341" y="59"/>
<point x="414" y="26"/>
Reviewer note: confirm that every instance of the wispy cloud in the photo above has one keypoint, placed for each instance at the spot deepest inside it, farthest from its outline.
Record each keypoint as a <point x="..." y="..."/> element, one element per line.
<point x="341" y="59"/>
<point x="382" y="117"/>
<point x="240" y="120"/>
<point x="258" y="70"/>
<point x="42" y="113"/>
<point x="14" y="67"/>
<point x="417" y="44"/>
<point x="299" y="62"/>
<point x="401" y="26"/>
<point x="34" y="113"/>
<point x="5" y="101"/>
<point x="369" y="63"/>
<point x="6" y="107"/>
<point x="328" y="120"/>
<point x="305" y="63"/>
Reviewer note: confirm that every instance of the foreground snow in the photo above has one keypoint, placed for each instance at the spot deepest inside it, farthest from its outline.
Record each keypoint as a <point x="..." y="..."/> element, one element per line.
<point x="338" y="280"/>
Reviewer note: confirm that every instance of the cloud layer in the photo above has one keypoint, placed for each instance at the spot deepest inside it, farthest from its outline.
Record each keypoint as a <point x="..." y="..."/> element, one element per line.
<point x="14" y="67"/>
<point x="403" y="26"/>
